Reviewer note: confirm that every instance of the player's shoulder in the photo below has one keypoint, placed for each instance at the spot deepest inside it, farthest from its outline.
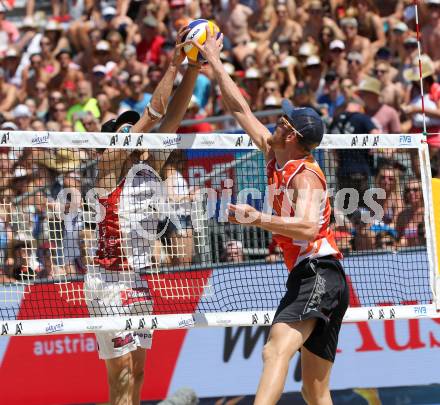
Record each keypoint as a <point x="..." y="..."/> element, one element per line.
<point x="309" y="177"/>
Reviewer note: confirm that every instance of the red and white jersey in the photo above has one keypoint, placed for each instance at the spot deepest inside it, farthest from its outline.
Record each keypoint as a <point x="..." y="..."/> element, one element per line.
<point x="295" y="251"/>
<point x="126" y="234"/>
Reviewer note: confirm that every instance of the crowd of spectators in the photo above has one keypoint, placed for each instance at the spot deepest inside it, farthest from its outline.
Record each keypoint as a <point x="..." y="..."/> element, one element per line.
<point x="354" y="61"/>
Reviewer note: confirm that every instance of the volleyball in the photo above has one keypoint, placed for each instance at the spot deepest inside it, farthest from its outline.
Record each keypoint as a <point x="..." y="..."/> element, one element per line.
<point x="198" y="33"/>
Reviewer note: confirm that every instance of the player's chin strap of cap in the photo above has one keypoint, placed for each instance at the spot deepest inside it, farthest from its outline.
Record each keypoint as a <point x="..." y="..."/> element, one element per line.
<point x="153" y="113"/>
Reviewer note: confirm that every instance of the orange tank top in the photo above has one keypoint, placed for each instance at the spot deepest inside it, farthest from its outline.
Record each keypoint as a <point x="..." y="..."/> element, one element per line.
<point x="295" y="251"/>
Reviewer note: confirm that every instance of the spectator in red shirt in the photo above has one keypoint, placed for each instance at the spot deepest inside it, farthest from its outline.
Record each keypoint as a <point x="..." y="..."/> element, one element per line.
<point x="148" y="49"/>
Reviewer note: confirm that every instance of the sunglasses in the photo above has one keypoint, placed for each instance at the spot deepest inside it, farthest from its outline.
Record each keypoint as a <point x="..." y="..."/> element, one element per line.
<point x="388" y="177"/>
<point x="125" y="129"/>
<point x="59" y="109"/>
<point x="412" y="189"/>
<point x="284" y="123"/>
<point x="270" y="89"/>
<point x="380" y="71"/>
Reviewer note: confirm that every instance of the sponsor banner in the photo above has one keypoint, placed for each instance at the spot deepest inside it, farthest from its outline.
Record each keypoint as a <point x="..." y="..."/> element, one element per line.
<point x="190" y="141"/>
<point x="223" y="361"/>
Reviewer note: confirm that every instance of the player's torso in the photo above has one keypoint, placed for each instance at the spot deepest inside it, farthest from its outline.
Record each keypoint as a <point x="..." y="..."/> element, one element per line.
<point x="127" y="233"/>
<point x="279" y="179"/>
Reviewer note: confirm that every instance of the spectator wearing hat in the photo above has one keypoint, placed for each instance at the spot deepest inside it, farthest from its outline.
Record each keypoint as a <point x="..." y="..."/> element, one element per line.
<point x="68" y="73"/>
<point x="11" y="63"/>
<point x="353" y="41"/>
<point x="22" y="117"/>
<point x="332" y="96"/>
<point x="356" y="67"/>
<point x="337" y="57"/>
<point x="55" y="33"/>
<point x="313" y="74"/>
<point x="252" y="82"/>
<point x="431" y="98"/>
<point x="431" y="30"/>
<point x="315" y="20"/>
<point x="86" y="103"/>
<point x="149" y="42"/>
<point x="130" y="64"/>
<point x="178" y="17"/>
<point x="385" y="116"/>
<point x="8" y="93"/>
<point x="269" y="88"/>
<point x="397" y="34"/>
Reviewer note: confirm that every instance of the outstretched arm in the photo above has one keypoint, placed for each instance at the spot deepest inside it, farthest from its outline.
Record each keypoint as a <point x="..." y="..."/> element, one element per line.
<point x="159" y="101"/>
<point x="112" y="161"/>
<point x="232" y="98"/>
<point x="175" y="113"/>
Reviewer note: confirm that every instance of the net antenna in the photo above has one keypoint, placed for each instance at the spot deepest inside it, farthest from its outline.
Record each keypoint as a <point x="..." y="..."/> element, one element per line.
<point x="419" y="51"/>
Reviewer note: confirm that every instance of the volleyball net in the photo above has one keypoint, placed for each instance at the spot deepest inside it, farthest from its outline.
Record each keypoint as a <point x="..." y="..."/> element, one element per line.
<point x="105" y="232"/>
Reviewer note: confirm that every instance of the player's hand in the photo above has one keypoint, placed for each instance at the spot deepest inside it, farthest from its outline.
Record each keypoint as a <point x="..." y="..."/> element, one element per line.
<point x="212" y="47"/>
<point x="179" y="54"/>
<point x="243" y="214"/>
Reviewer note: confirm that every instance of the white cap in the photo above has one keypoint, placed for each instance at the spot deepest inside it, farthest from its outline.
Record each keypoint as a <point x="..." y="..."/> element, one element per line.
<point x="288" y="60"/>
<point x="53" y="26"/>
<point x="252" y="73"/>
<point x="109" y="11"/>
<point x="11" y="53"/>
<point x="313" y="60"/>
<point x="306" y="49"/>
<point x="21" y="110"/>
<point x="28" y="22"/>
<point x="100" y="69"/>
<point x="272" y="101"/>
<point x="9" y="125"/>
<point x="102" y="46"/>
<point x="400" y="26"/>
<point x="337" y="44"/>
<point x="433" y="2"/>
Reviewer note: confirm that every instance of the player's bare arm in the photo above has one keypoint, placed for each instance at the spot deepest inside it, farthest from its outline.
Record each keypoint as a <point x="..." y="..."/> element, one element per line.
<point x="306" y="197"/>
<point x="113" y="160"/>
<point x="232" y="98"/>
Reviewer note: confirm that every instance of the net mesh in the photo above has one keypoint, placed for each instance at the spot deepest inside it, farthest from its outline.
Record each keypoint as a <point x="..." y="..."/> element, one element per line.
<point x="98" y="225"/>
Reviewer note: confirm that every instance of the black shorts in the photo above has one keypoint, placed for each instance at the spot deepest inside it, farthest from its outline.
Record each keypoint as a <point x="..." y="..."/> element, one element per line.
<point x="317" y="288"/>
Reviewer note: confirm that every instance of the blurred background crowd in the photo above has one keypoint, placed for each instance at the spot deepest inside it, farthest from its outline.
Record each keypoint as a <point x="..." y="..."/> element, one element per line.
<point x="70" y="65"/>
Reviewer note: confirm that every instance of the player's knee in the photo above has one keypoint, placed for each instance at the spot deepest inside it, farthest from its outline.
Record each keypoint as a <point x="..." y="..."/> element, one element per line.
<point x="315" y="394"/>
<point x="120" y="374"/>
<point x="138" y="376"/>
<point x="272" y="352"/>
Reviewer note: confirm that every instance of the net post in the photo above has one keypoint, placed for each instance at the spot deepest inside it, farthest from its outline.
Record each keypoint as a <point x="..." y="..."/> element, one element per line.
<point x="427" y="187"/>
